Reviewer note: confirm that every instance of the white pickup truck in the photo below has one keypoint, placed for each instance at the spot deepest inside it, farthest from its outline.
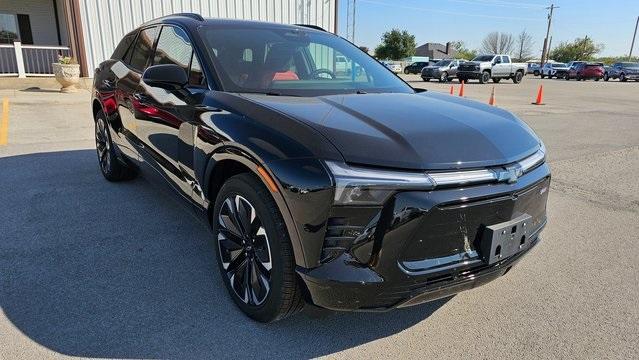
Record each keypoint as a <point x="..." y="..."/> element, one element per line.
<point x="492" y="66"/>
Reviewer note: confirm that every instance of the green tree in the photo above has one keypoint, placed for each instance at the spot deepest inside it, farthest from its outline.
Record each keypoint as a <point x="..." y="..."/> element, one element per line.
<point x="609" y="60"/>
<point x="396" y="45"/>
<point x="579" y="49"/>
<point x="462" y="51"/>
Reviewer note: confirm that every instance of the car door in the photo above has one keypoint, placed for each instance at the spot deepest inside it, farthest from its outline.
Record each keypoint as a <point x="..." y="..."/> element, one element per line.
<point x="164" y="117"/>
<point x="497" y="69"/>
<point x="452" y="71"/>
<point x="128" y="74"/>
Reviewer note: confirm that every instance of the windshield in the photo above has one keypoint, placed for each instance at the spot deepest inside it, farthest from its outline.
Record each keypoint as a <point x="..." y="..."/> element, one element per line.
<point x="630" y="65"/>
<point x="484" y="58"/>
<point x="559" y="65"/>
<point x="442" y="63"/>
<point x="296" y="62"/>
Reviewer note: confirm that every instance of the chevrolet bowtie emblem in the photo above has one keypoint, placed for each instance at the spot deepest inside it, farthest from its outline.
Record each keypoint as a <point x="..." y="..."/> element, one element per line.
<point x="510" y="174"/>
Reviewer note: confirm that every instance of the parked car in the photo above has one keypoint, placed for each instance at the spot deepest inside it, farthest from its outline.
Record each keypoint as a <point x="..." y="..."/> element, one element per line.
<point x="533" y="68"/>
<point x="415" y="68"/>
<point x="493" y="66"/>
<point x="584" y="71"/>
<point x="623" y="71"/>
<point x="396" y="68"/>
<point x="351" y="193"/>
<point x="557" y="70"/>
<point x="444" y="70"/>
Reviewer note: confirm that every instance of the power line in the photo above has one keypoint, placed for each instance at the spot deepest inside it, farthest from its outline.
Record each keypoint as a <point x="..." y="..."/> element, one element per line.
<point x="447" y="12"/>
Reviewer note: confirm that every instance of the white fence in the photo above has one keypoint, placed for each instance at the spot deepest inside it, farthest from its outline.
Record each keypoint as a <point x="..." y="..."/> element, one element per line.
<point x="29" y="60"/>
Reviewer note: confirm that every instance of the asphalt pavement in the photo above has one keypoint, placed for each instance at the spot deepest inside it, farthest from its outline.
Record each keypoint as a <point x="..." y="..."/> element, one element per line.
<point x="95" y="269"/>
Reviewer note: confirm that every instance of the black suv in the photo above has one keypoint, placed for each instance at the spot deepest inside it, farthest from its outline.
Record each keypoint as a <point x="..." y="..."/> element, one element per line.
<point x="346" y="189"/>
<point x="415" y="68"/>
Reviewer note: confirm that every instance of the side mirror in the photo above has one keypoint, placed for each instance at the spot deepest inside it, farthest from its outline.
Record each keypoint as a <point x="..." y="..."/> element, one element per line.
<point x="167" y="76"/>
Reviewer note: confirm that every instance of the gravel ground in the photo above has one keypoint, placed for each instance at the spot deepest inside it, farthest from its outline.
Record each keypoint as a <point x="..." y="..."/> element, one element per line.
<point x="94" y="269"/>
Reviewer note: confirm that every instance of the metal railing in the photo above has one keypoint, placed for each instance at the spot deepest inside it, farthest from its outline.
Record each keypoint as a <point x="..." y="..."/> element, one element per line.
<point x="29" y="60"/>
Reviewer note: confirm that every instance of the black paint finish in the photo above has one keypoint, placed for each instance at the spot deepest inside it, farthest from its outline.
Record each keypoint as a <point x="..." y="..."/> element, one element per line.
<point x="415" y="247"/>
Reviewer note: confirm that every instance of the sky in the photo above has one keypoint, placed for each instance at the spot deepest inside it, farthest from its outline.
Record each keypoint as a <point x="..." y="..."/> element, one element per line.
<point x="610" y="22"/>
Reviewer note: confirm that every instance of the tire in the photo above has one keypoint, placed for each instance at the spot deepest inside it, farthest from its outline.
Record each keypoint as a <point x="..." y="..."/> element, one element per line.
<point x="567" y="77"/>
<point x="597" y="79"/>
<point x="426" y="79"/>
<point x="461" y="79"/>
<point x="536" y="73"/>
<point x="443" y="77"/>
<point x="110" y="166"/>
<point x="622" y="77"/>
<point x="274" y="293"/>
<point x="542" y="75"/>
<point x="485" y="76"/>
<point x="606" y="77"/>
<point x="406" y="71"/>
<point x="496" y="80"/>
<point x="518" y="77"/>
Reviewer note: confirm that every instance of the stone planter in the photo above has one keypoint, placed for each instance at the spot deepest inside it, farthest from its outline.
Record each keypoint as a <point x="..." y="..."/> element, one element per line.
<point x="68" y="75"/>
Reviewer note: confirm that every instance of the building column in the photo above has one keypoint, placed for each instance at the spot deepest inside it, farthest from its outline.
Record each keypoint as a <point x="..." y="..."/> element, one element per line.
<point x="76" y="36"/>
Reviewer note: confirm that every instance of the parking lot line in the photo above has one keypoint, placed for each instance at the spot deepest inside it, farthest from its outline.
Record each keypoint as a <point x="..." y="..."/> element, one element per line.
<point x="4" y="122"/>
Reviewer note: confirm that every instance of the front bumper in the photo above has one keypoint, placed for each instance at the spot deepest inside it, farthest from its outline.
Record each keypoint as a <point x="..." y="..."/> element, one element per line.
<point x="422" y="246"/>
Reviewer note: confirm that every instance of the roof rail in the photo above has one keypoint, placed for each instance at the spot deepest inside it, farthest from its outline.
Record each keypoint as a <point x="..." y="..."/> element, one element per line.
<point x="311" y="27"/>
<point x="194" y="16"/>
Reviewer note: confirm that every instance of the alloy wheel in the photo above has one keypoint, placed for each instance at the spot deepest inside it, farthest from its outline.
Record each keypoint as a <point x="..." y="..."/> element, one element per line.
<point x="244" y="250"/>
<point x="103" y="145"/>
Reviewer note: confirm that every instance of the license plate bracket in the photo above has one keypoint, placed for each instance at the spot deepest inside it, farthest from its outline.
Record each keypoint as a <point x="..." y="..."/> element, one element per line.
<point x="500" y="241"/>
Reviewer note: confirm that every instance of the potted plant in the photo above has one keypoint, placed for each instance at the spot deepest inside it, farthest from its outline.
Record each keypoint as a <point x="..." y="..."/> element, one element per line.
<point x="67" y="73"/>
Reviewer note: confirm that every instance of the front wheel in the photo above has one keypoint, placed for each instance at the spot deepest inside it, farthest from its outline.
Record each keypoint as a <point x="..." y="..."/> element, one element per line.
<point x="606" y="77"/>
<point x="443" y="77"/>
<point x="426" y="79"/>
<point x="485" y="76"/>
<point x="518" y="77"/>
<point x="406" y="71"/>
<point x="567" y="77"/>
<point x="542" y="75"/>
<point x="496" y="80"/>
<point x="254" y="252"/>
<point x="536" y="73"/>
<point x="622" y="77"/>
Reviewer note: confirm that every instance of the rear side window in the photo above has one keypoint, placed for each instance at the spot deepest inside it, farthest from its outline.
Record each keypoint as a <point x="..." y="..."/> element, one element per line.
<point x="143" y="48"/>
<point x="125" y="44"/>
<point x="173" y="47"/>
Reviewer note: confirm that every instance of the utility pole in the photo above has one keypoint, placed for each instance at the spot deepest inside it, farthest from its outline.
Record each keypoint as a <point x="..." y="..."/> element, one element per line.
<point x="350" y="20"/>
<point x="549" y="47"/>
<point x="633" y="40"/>
<point x="545" y="50"/>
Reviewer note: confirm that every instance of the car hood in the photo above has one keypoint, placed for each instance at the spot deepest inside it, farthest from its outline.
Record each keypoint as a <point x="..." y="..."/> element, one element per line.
<point x="411" y="131"/>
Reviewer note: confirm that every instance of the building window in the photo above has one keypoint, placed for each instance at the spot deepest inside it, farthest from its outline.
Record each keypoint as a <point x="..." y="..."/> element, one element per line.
<point x="15" y="28"/>
<point x="8" y="29"/>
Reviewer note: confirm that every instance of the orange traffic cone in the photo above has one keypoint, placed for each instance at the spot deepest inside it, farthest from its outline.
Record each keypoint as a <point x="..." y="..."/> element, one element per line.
<point x="540" y="96"/>
<point x="461" y="89"/>
<point x="452" y="89"/>
<point x="491" y="101"/>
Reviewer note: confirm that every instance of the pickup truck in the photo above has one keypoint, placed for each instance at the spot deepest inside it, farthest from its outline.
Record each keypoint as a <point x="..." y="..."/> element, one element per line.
<point x="493" y="66"/>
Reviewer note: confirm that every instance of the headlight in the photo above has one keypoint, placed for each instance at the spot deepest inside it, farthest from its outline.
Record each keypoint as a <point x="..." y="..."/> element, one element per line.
<point x="360" y="186"/>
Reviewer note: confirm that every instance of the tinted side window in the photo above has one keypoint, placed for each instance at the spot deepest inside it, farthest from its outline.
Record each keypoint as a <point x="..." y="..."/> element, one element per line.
<point x="505" y="59"/>
<point x="196" y="76"/>
<point x="124" y="45"/>
<point x="143" y="48"/>
<point x="173" y="47"/>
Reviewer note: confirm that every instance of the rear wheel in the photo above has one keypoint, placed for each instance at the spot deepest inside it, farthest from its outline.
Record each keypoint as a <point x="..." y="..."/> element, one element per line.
<point x="255" y="256"/>
<point x="461" y="79"/>
<point x="622" y="77"/>
<point x="606" y="77"/>
<point x="426" y="79"/>
<point x="112" y="169"/>
<point x="567" y="77"/>
<point x="542" y="75"/>
<point x="536" y="73"/>
<point x="518" y="77"/>
<point x="496" y="80"/>
<point x="406" y="71"/>
<point x="443" y="77"/>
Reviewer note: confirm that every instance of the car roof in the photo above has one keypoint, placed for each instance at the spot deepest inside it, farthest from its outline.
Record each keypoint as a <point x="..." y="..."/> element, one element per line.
<point x="192" y="20"/>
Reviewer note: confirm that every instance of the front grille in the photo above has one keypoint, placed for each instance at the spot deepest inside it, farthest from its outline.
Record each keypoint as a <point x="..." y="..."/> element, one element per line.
<point x="467" y="67"/>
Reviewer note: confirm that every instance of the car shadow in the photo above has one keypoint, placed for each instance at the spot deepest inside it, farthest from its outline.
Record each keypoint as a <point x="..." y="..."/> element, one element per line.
<point x="90" y="268"/>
